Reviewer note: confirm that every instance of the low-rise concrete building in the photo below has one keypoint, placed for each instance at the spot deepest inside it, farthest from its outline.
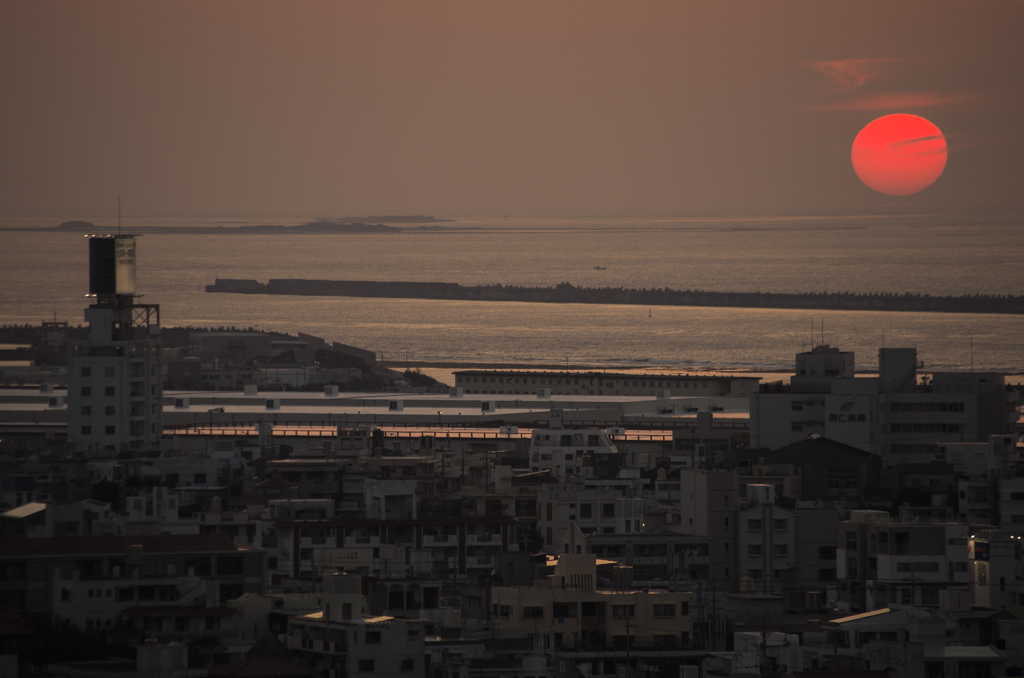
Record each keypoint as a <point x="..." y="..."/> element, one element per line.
<point x="570" y="612"/>
<point x="340" y="640"/>
<point x="93" y="581"/>
<point x="880" y="562"/>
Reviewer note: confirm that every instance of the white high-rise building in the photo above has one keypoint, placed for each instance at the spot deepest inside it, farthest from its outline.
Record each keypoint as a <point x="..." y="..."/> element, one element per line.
<point x="891" y="415"/>
<point x="115" y="381"/>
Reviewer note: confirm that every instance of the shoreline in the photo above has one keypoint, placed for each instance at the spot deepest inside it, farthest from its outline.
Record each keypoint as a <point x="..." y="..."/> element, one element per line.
<point x="561" y="367"/>
<point x="444" y="371"/>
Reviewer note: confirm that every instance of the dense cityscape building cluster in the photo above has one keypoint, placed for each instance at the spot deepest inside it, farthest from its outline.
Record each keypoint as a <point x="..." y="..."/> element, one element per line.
<point x="185" y="514"/>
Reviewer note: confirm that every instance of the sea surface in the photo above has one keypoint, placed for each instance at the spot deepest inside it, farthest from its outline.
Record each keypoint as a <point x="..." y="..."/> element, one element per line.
<point x="44" y="275"/>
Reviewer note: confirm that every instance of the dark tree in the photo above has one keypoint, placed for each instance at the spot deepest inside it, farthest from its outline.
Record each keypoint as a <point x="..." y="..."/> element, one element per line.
<point x="108" y="492"/>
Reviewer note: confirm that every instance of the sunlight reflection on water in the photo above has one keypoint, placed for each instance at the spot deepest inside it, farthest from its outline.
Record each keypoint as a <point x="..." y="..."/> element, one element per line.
<point x="46" y="273"/>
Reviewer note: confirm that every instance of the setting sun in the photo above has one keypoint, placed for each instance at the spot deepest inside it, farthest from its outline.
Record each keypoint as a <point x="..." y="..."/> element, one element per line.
<point x="899" y="154"/>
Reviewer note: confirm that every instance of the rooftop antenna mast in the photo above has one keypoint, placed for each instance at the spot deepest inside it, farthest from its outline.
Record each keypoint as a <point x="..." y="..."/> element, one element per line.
<point x="119" y="215"/>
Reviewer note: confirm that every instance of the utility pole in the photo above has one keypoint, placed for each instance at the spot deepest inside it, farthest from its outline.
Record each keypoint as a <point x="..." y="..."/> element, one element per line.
<point x="714" y="609"/>
<point x="764" y="644"/>
<point x="629" y="640"/>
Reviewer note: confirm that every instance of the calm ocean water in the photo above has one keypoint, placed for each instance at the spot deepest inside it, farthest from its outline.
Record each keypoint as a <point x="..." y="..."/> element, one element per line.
<point x="46" y="273"/>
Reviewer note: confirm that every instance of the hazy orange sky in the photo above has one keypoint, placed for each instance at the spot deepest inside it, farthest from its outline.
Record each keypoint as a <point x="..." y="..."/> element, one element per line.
<point x="491" y="107"/>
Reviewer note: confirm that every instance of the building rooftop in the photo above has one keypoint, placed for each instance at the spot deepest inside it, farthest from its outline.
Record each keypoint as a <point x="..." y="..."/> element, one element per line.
<point x="858" y="617"/>
<point x="24" y="511"/>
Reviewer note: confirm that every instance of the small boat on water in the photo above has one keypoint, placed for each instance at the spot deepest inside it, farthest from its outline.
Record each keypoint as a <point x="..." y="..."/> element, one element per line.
<point x="600" y="268"/>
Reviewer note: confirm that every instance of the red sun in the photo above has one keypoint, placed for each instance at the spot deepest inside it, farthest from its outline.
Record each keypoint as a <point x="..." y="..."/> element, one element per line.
<point x="899" y="154"/>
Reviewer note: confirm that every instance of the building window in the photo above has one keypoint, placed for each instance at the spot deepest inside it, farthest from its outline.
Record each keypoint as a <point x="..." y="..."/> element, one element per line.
<point x="754" y="550"/>
<point x="755" y="574"/>
<point x="108" y="372"/>
<point x="622" y="611"/>
<point x="851" y="540"/>
<point x="585" y="510"/>
<point x="86" y="430"/>
<point x="86" y="410"/>
<point x="373" y="637"/>
<point x="108" y="391"/>
<point x="608" y="510"/>
<point x="86" y="371"/>
<point x="110" y="430"/>
<point x="533" y="612"/>
<point x="86" y="391"/>
<point x="780" y="550"/>
<point x="827" y="552"/>
<point x="665" y="610"/>
<point x="410" y="664"/>
<point x="780" y="524"/>
<point x="109" y="410"/>
<point x="366" y="666"/>
<point x="917" y="567"/>
<point x="753" y="524"/>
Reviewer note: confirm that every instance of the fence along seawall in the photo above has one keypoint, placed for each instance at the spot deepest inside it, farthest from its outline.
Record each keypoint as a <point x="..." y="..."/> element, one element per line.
<point x="566" y="293"/>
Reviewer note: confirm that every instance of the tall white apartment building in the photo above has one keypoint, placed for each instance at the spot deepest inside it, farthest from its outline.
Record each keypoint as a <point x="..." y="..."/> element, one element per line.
<point x="891" y="415"/>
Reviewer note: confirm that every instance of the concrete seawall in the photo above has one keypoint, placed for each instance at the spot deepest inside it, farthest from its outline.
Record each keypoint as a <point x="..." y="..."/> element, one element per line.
<point x="570" y="294"/>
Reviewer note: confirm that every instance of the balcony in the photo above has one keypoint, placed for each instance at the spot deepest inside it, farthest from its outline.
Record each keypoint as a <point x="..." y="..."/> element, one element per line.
<point x="439" y="539"/>
<point x="492" y="539"/>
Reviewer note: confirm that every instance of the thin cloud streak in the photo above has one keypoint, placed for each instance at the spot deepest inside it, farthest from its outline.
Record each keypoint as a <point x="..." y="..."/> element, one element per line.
<point x="851" y="74"/>
<point x="898" y="100"/>
<point x="918" y="140"/>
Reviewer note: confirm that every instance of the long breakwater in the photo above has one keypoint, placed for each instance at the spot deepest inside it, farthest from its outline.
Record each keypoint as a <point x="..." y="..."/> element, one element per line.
<point x="565" y="293"/>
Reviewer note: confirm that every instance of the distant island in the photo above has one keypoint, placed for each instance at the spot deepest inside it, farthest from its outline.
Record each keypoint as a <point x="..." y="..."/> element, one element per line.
<point x="413" y="219"/>
<point x="316" y="227"/>
<point x="570" y="294"/>
<point x="319" y="227"/>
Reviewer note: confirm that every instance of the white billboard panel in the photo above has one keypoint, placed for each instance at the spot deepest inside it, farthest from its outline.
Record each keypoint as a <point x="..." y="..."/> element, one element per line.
<point x="124" y="265"/>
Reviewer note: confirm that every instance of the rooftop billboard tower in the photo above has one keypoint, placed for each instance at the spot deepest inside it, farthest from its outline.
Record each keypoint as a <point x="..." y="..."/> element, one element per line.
<point x="112" y="265"/>
<point x="115" y="379"/>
